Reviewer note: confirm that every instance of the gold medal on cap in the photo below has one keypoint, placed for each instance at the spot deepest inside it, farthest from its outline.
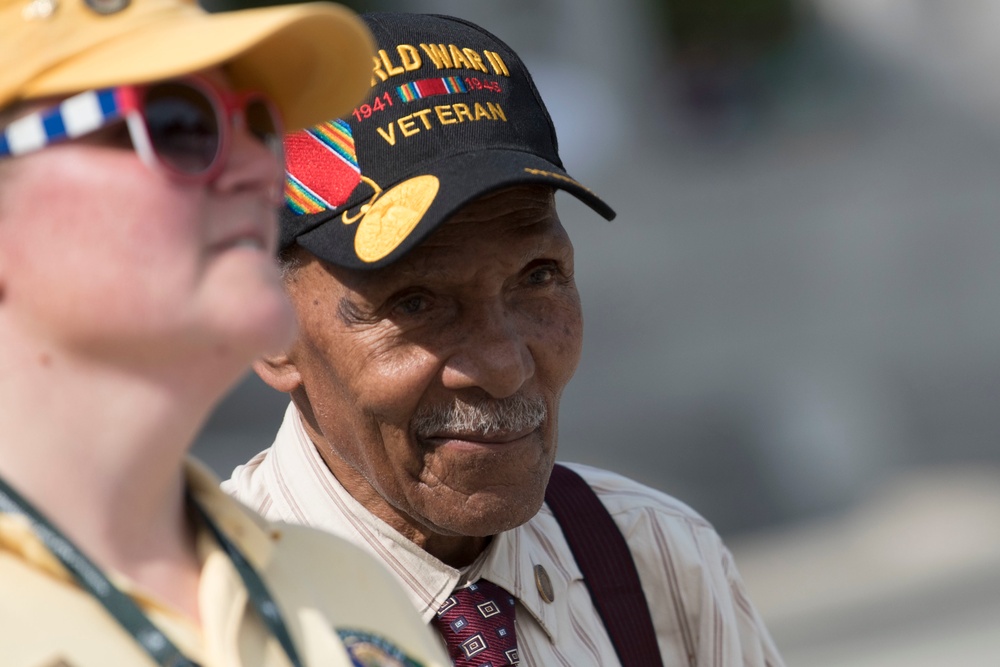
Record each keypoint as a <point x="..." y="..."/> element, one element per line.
<point x="391" y="215"/>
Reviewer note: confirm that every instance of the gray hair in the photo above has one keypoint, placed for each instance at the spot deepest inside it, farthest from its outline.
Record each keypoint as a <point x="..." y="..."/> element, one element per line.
<point x="289" y="262"/>
<point x="485" y="417"/>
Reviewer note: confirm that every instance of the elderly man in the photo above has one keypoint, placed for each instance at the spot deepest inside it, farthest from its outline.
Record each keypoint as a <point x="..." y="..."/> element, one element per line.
<point x="140" y="165"/>
<point x="439" y="324"/>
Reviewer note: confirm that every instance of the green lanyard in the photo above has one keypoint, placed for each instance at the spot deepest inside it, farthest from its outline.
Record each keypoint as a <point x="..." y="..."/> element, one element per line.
<point x="121" y="606"/>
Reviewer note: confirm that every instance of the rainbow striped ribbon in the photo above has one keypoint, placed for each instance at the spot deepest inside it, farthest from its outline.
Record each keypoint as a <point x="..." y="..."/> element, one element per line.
<point x="416" y="90"/>
<point x="322" y="167"/>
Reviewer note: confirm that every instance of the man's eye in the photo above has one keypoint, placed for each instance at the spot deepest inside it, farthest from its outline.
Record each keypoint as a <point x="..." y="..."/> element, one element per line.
<point x="410" y="305"/>
<point x="542" y="275"/>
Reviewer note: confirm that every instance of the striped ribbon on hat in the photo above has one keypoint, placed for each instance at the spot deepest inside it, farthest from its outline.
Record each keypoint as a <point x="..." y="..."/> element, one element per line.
<point x="322" y="167"/>
<point x="73" y="117"/>
<point x="416" y="90"/>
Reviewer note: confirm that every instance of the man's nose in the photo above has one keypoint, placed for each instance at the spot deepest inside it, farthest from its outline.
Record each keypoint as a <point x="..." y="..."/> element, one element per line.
<point x="491" y="353"/>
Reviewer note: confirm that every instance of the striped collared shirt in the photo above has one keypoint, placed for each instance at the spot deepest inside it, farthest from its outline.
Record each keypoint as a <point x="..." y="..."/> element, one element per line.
<point x="699" y="606"/>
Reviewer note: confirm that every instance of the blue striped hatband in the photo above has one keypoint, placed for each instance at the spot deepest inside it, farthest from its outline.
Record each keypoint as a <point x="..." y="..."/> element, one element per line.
<point x="73" y="117"/>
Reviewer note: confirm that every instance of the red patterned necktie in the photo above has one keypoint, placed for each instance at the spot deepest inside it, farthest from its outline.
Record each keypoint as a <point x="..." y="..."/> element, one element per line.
<point x="477" y="623"/>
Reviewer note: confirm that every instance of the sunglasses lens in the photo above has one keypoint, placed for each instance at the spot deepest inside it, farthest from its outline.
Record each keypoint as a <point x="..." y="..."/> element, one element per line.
<point x="262" y="121"/>
<point x="183" y="127"/>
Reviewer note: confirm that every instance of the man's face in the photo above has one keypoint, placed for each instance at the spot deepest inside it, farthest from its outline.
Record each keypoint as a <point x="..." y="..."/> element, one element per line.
<point x="431" y="387"/>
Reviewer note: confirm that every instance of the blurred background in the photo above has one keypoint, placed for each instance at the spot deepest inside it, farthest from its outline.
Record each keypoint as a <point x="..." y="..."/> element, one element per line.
<point x="794" y="323"/>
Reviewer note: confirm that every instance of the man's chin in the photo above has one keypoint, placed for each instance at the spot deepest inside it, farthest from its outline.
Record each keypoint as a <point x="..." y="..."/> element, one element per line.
<point x="486" y="514"/>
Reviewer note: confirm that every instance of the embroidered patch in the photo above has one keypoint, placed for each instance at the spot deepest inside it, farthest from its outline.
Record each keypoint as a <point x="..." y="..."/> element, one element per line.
<point x="322" y="167"/>
<point x="388" y="220"/>
<point x="368" y="650"/>
<point x="561" y="177"/>
<point x="416" y="90"/>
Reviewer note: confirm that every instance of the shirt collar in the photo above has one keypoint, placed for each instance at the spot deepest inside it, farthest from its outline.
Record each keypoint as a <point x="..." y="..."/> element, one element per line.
<point x="247" y="530"/>
<point x="223" y="597"/>
<point x="18" y="537"/>
<point x="510" y="562"/>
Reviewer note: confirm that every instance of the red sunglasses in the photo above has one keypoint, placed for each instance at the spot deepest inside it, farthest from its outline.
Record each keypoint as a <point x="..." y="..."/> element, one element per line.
<point x="183" y="126"/>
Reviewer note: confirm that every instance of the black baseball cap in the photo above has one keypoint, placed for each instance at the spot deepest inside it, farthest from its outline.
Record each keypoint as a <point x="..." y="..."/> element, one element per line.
<point x="453" y="114"/>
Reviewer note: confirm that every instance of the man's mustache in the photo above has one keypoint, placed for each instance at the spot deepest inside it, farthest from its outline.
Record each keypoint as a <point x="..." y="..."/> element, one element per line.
<point x="487" y="417"/>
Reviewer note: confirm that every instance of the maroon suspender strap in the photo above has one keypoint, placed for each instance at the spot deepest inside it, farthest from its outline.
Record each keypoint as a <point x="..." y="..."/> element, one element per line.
<point x="608" y="570"/>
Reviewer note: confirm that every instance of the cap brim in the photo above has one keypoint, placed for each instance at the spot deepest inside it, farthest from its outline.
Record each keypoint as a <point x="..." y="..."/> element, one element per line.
<point x="313" y="60"/>
<point x="461" y="179"/>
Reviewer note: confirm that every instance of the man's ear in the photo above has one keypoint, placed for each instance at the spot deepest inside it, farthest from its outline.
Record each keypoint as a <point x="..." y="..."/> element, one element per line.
<point x="278" y="372"/>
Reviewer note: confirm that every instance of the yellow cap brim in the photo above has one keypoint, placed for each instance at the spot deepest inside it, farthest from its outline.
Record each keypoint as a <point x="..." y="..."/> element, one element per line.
<point x="313" y="60"/>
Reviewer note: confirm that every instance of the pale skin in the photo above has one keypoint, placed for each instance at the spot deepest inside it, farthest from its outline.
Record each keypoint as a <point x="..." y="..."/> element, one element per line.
<point x="129" y="305"/>
<point x="484" y="309"/>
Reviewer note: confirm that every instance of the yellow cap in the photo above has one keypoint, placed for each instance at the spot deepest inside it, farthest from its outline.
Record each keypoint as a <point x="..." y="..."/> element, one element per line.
<point x="313" y="60"/>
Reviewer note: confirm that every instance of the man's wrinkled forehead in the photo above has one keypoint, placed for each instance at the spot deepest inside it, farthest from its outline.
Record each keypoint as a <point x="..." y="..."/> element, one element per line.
<point x="497" y="216"/>
<point x="520" y="220"/>
<point x="502" y="220"/>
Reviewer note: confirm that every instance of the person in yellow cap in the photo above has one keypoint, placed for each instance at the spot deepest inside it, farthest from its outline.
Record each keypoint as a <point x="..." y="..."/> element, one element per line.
<point x="140" y="169"/>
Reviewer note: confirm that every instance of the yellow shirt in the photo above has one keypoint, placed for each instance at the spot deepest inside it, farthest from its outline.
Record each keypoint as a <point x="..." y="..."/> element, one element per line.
<point x="322" y="584"/>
